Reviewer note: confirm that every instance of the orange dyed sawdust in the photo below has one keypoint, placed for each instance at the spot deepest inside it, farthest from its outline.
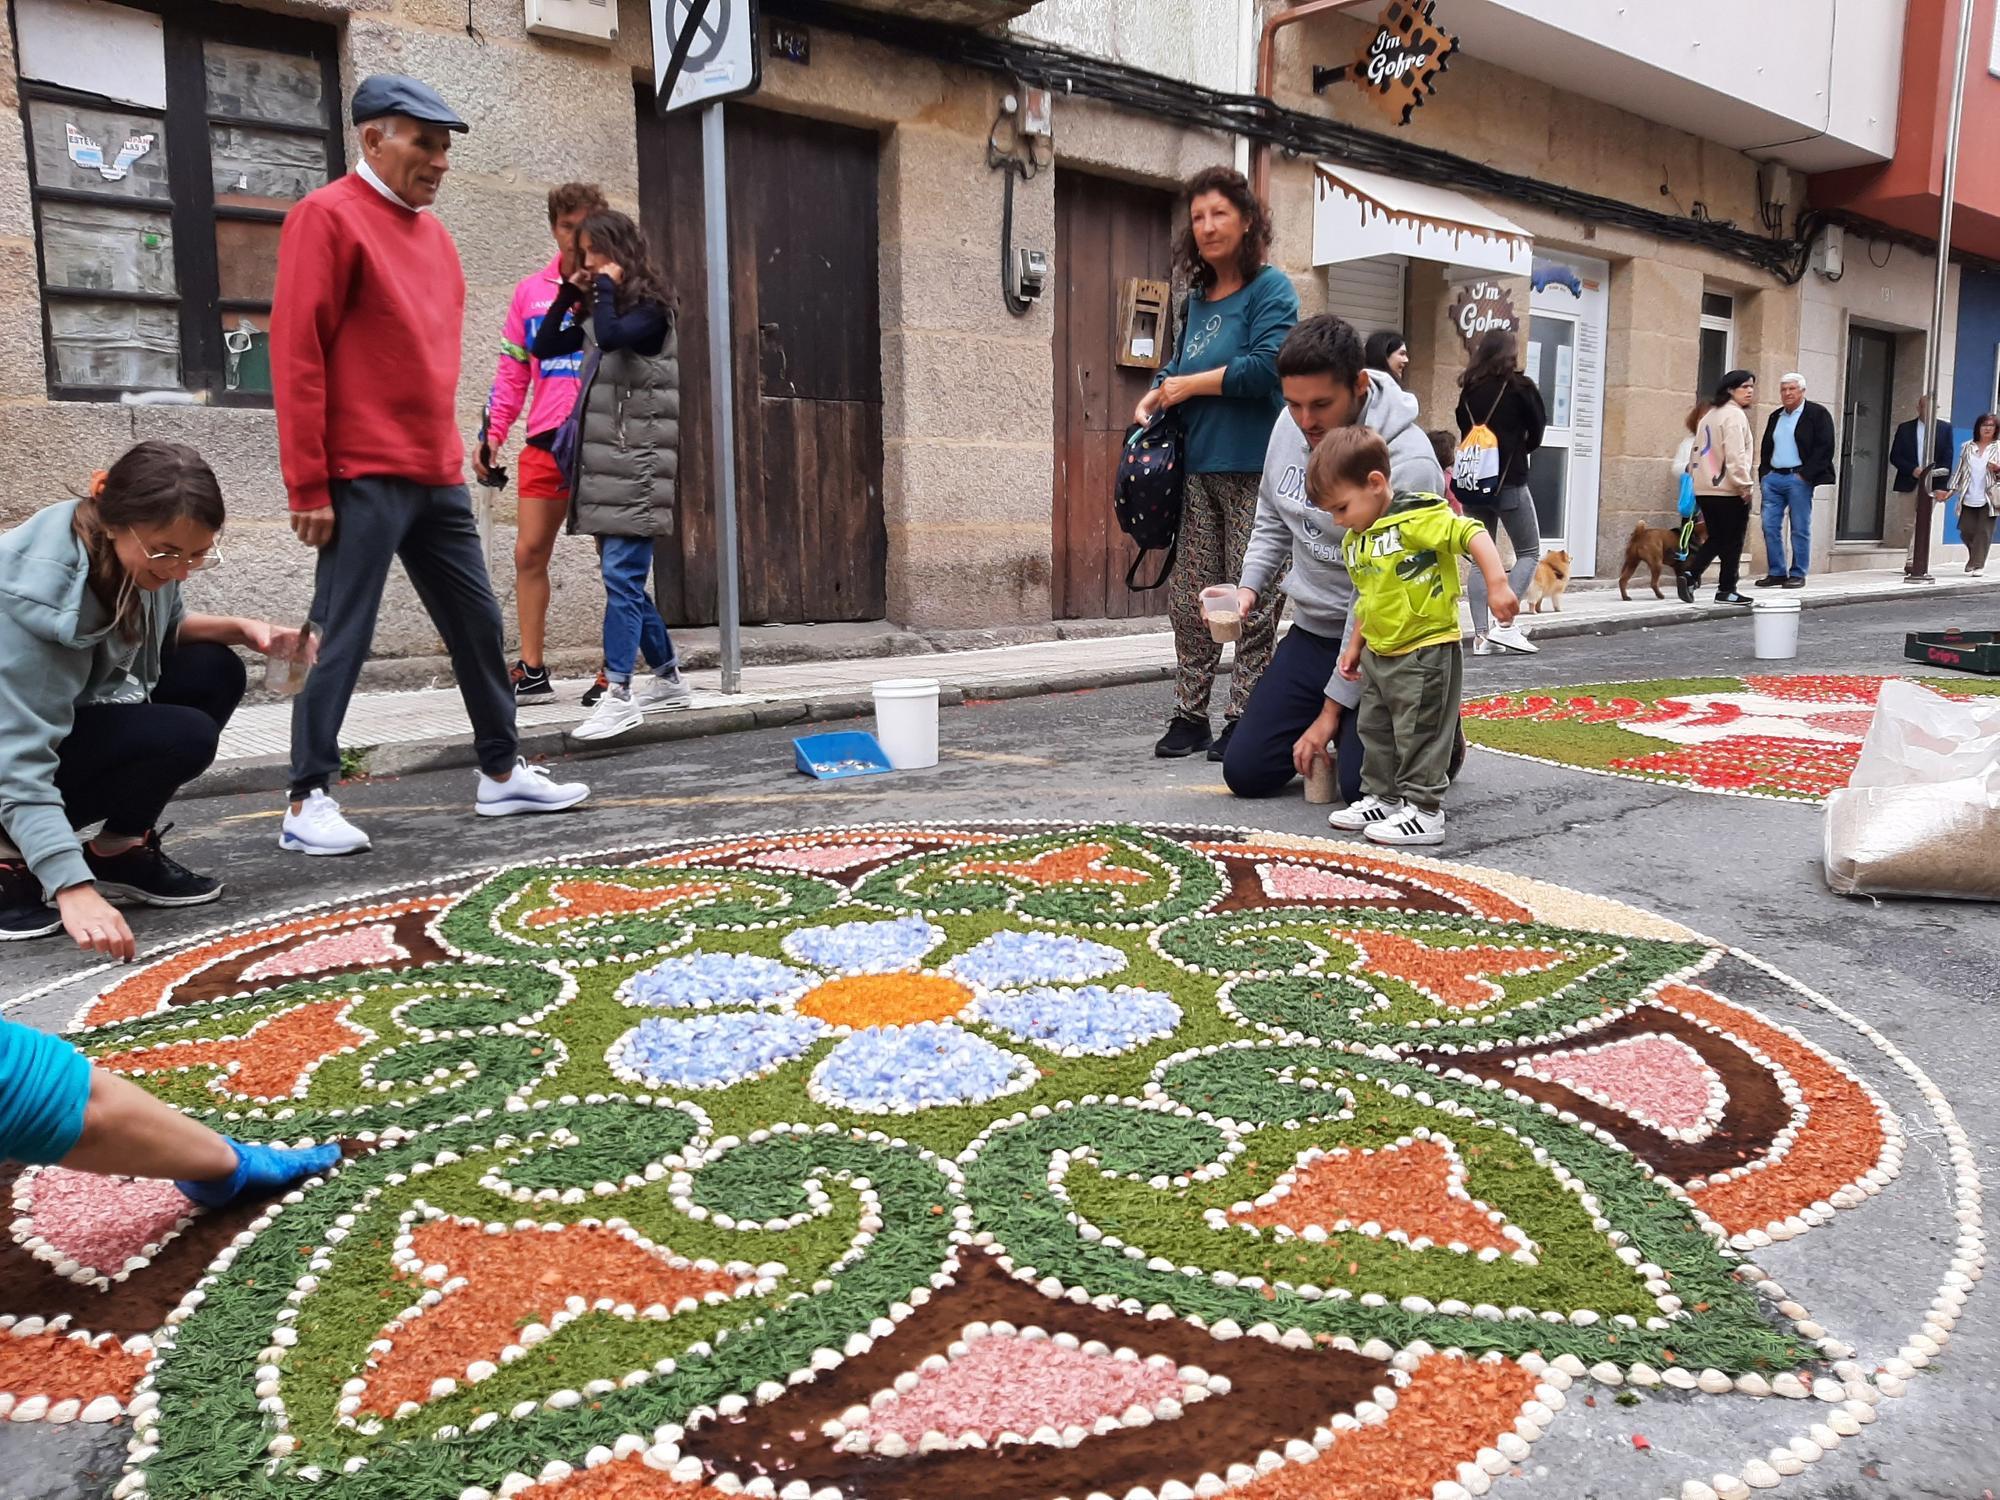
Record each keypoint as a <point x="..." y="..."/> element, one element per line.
<point x="58" y="1366"/>
<point x="1452" y="975"/>
<point x="1416" y="1188"/>
<point x="1084" y="862"/>
<point x="266" y="1062"/>
<point x="621" y="1479"/>
<point x="1482" y="900"/>
<point x="1449" y="1411"/>
<point x="142" y="993"/>
<point x="1841" y="1141"/>
<point x="576" y="899"/>
<point x="515" y="1278"/>
<point x="885" y="1000"/>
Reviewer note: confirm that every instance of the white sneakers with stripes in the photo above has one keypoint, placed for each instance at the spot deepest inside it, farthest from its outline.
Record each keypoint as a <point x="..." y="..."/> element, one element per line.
<point x="1386" y="821"/>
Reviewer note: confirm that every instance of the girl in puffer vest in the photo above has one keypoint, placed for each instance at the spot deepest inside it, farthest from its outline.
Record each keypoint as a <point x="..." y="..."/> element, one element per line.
<point x="621" y="451"/>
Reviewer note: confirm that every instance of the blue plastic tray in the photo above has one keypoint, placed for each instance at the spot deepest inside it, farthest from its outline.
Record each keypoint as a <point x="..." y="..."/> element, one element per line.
<point x="832" y="757"/>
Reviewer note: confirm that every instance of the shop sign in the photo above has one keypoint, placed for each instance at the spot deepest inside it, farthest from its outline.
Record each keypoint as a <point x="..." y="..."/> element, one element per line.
<point x="1399" y="66"/>
<point x="1480" y="307"/>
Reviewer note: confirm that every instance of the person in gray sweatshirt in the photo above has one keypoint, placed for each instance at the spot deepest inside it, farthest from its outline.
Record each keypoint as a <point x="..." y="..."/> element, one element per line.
<point x="1302" y="708"/>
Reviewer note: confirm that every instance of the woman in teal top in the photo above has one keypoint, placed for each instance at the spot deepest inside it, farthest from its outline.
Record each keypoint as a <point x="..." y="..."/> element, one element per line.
<point x="1223" y="384"/>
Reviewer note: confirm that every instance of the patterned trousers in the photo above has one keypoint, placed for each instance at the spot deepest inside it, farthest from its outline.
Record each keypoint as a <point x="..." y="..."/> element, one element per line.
<point x="1215" y="529"/>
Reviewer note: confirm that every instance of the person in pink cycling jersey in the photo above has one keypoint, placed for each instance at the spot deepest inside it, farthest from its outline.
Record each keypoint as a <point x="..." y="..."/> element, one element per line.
<point x="543" y="495"/>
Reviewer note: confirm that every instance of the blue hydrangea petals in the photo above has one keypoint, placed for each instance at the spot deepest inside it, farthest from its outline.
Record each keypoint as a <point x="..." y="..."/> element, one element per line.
<point x="699" y="980"/>
<point x="865" y="947"/>
<point x="1009" y="958"/>
<point x="903" y="1068"/>
<point x="1094" y="1020"/>
<point x="712" y="1051"/>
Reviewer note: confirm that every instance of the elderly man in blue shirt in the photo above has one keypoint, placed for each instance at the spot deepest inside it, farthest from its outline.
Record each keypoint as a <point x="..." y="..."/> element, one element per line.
<point x="1797" y="457"/>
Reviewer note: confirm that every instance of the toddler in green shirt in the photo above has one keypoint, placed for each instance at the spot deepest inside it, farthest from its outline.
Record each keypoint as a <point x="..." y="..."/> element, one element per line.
<point x="1402" y="552"/>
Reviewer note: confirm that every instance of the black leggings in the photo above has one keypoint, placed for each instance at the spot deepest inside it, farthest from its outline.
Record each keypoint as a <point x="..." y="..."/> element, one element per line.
<point x="1727" y="519"/>
<point x="123" y="762"/>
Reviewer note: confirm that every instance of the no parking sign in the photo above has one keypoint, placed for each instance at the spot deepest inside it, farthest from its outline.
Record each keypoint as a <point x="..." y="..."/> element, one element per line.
<point x="704" y="50"/>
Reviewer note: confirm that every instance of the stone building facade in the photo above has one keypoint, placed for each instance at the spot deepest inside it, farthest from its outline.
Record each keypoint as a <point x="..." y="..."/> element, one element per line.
<point x="977" y="435"/>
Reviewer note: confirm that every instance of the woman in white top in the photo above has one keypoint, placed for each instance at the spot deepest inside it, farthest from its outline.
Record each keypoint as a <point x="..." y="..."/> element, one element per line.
<point x="1975" y="484"/>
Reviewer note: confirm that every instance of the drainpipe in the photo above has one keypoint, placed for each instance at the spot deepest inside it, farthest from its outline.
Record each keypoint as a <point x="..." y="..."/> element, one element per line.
<point x="1246" y="70"/>
<point x="1267" y="69"/>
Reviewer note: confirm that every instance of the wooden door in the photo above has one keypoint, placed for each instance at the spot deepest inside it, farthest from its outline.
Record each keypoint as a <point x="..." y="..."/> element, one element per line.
<point x="1864" y="440"/>
<point x="808" y="364"/>
<point x="1106" y="232"/>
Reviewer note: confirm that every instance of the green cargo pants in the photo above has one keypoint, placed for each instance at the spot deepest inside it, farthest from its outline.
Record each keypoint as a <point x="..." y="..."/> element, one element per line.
<point x="1409" y="723"/>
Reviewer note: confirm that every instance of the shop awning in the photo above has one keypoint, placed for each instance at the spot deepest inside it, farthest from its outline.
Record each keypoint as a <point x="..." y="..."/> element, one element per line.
<point x="1360" y="214"/>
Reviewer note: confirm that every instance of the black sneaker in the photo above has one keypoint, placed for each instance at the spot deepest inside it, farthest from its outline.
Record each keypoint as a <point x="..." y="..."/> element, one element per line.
<point x="1684" y="586"/>
<point x="1775" y="581"/>
<point x="596" y="690"/>
<point x="1184" y="737"/>
<point x="23" y="913"/>
<point x="532" y="682"/>
<point x="1221" y="746"/>
<point x="1732" y="598"/>
<point x="1795" y="583"/>
<point x="147" y="874"/>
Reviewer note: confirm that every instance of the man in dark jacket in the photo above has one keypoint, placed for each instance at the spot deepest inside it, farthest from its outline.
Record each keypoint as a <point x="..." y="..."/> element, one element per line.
<point x="1796" y="459"/>
<point x="1903" y="457"/>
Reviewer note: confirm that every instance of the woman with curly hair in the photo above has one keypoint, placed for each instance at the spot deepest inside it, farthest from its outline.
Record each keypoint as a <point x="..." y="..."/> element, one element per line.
<point x="621" y="450"/>
<point x="1223" y="384"/>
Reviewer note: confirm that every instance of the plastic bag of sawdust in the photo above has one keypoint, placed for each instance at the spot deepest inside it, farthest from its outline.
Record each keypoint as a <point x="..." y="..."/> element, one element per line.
<point x="1921" y="815"/>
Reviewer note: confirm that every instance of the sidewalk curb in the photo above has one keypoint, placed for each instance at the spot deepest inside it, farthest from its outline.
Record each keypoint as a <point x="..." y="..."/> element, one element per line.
<point x="270" y="773"/>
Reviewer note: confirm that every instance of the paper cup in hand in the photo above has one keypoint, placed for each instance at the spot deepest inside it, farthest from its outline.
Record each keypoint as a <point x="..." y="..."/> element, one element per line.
<point x="285" y="671"/>
<point x="1223" y="611"/>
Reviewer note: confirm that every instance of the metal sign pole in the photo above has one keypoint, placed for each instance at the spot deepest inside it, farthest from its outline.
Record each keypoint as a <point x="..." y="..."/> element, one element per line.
<point x="721" y="392"/>
<point x="1920" y="537"/>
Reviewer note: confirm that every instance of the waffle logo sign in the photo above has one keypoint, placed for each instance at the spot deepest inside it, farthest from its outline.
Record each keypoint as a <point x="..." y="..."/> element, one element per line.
<point x="1399" y="66"/>
<point x="1480" y="307"/>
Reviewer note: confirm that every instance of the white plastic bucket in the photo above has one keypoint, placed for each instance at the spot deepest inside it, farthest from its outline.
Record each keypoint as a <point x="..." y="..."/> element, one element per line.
<point x="1776" y="623"/>
<point x="906" y="721"/>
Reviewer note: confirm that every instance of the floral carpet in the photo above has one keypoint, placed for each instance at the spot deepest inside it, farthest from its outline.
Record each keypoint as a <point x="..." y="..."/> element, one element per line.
<point x="930" y="1162"/>
<point x="1794" y="737"/>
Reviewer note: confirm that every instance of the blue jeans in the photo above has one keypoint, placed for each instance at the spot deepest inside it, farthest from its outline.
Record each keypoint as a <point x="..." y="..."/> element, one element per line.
<point x="1782" y="493"/>
<point x="631" y="623"/>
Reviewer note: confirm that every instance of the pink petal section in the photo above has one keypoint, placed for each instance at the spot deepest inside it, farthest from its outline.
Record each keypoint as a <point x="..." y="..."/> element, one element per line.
<point x="1656" y="1080"/>
<point x="336" y="950"/>
<point x="826" y="859"/>
<point x="102" y="1222"/>
<point x="1289" y="882"/>
<point x="1005" y="1383"/>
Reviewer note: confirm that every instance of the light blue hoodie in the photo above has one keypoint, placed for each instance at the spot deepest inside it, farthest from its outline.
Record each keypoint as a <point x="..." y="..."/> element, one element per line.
<point x="57" y="650"/>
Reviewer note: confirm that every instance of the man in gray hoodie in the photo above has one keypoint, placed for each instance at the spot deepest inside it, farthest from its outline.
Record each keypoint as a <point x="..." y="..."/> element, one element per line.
<point x="1302" y="708"/>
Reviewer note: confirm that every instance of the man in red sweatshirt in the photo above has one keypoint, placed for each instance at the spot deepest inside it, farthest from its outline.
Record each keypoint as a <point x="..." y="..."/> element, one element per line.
<point x="366" y="332"/>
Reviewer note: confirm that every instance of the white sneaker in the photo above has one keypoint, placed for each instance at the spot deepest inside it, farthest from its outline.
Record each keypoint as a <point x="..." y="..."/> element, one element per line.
<point x="318" y="828"/>
<point x="615" y="713"/>
<point x="528" y="790"/>
<point x="1358" y="815"/>
<point x="662" y="691"/>
<point x="1512" y="638"/>
<point x="1412" y="825"/>
<point x="1483" y="647"/>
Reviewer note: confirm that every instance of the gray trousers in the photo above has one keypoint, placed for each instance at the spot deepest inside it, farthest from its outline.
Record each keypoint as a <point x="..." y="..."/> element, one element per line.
<point x="1514" y="508"/>
<point x="378" y="519"/>
<point x="1409" y="723"/>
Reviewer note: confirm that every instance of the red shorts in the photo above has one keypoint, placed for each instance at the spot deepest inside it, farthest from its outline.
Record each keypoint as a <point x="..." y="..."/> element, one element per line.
<point x="540" y="477"/>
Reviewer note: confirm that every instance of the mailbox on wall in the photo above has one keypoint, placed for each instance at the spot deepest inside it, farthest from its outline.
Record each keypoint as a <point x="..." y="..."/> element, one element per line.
<point x="1142" y="323"/>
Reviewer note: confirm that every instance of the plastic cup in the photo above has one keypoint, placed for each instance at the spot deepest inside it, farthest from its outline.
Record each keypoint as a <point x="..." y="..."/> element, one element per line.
<point x="285" y="672"/>
<point x="1222" y="609"/>
<point x="1320" y="782"/>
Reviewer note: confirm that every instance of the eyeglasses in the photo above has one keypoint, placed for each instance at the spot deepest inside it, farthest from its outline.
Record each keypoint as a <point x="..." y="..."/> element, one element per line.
<point x="170" y="557"/>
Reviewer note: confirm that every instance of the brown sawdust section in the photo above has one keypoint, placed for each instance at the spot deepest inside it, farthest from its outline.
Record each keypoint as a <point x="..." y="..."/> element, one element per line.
<point x="1277" y="1394"/>
<point x="1459" y="894"/>
<point x="58" y="1366"/>
<point x="1751" y="1117"/>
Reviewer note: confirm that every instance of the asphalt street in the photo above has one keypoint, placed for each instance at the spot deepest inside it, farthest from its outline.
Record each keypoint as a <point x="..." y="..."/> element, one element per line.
<point x="1743" y="871"/>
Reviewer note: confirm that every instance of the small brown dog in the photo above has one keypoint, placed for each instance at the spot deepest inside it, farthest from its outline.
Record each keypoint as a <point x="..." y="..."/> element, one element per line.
<point x="1658" y="548"/>
<point x="1551" y="578"/>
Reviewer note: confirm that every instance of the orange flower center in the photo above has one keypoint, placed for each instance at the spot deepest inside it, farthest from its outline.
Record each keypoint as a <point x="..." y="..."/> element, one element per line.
<point x="885" y="1000"/>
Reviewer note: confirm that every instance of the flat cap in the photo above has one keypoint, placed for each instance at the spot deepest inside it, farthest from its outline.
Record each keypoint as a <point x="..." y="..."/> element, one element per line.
<point x="393" y="94"/>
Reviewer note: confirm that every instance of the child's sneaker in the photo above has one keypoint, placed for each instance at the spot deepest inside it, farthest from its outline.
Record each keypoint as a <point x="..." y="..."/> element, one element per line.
<point x="596" y="690"/>
<point x="1411" y="825"/>
<point x="1483" y="647"/>
<point x="1358" y="815"/>
<point x="532" y="682"/>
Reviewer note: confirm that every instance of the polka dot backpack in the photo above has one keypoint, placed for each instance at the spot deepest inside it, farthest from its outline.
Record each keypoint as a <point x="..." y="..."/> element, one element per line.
<point x="1152" y="483"/>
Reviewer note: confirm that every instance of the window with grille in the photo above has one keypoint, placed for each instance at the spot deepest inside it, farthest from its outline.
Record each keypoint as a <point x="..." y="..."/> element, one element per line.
<point x="166" y="143"/>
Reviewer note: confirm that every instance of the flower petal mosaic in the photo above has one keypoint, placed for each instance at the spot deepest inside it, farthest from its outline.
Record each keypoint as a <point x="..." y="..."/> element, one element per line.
<point x="1025" y="1160"/>
<point x="1793" y="737"/>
